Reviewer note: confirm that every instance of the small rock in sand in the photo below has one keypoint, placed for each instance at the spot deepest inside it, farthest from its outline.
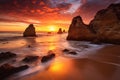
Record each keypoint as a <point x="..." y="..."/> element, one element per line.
<point x="65" y="50"/>
<point x="72" y="52"/>
<point x="30" y="59"/>
<point x="47" y="58"/>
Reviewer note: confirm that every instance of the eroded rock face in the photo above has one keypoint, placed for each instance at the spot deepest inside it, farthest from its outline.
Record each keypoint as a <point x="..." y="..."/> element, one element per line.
<point x="79" y="31"/>
<point x="105" y="27"/>
<point x="106" y="24"/>
<point x="29" y="31"/>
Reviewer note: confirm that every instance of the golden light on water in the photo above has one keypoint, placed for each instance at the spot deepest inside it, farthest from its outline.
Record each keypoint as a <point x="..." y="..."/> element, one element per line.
<point x="60" y="66"/>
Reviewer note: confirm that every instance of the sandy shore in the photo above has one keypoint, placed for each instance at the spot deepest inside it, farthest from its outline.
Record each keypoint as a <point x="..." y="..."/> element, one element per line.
<point x="104" y="64"/>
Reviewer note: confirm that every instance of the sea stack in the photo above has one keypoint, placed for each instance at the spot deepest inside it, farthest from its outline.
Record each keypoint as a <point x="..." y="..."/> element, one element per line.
<point x="60" y="31"/>
<point x="105" y="27"/>
<point x="30" y="31"/>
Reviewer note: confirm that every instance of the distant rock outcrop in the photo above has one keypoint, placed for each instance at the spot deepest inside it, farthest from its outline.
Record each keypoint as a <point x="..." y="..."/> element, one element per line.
<point x="30" y="31"/>
<point x="60" y="31"/>
<point x="79" y="31"/>
<point x="105" y="27"/>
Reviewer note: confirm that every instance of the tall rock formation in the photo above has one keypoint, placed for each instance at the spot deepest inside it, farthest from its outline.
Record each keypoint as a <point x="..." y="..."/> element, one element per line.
<point x="105" y="27"/>
<point x="106" y="24"/>
<point x="79" y="31"/>
<point x="29" y="31"/>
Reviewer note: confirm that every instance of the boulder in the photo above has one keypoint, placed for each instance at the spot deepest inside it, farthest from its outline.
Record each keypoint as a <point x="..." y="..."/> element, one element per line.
<point x="79" y="31"/>
<point x="6" y="55"/>
<point x="30" y="59"/>
<point x="60" y="31"/>
<point x="65" y="50"/>
<point x="47" y="58"/>
<point x="29" y="31"/>
<point x="6" y="70"/>
<point x="105" y="27"/>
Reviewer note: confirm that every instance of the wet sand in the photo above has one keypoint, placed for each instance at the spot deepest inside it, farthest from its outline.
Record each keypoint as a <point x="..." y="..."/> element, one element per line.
<point x="104" y="64"/>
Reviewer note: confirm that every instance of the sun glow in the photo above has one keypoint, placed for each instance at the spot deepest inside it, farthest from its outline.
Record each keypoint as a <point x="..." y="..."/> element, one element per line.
<point x="52" y="28"/>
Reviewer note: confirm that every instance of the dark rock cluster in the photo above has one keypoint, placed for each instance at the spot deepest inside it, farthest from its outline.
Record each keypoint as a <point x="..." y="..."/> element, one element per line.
<point x="6" y="55"/>
<point x="105" y="27"/>
<point x="7" y="70"/>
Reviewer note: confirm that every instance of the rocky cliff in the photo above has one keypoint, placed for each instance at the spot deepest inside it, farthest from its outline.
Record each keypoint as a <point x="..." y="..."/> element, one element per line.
<point x="29" y="31"/>
<point x="105" y="27"/>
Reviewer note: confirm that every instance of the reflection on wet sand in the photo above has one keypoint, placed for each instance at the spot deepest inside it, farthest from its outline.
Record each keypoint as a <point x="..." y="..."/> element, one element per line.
<point x="77" y="69"/>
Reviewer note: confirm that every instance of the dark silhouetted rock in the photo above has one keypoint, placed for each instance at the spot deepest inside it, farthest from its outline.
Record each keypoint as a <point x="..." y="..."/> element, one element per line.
<point x="64" y="31"/>
<point x="6" y="55"/>
<point x="30" y="31"/>
<point x="47" y="58"/>
<point x="30" y="59"/>
<point x="105" y="27"/>
<point x="65" y="50"/>
<point x="79" y="31"/>
<point x="6" y="70"/>
<point x="60" y="31"/>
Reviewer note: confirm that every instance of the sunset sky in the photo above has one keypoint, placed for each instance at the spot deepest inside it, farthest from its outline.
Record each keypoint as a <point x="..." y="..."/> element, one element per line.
<point x="16" y="15"/>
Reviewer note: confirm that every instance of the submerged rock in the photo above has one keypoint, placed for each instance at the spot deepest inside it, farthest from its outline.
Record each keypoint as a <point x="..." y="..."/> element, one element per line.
<point x="47" y="58"/>
<point x="6" y="55"/>
<point x="30" y="59"/>
<point x="30" y="31"/>
<point x="6" y="70"/>
<point x="105" y="27"/>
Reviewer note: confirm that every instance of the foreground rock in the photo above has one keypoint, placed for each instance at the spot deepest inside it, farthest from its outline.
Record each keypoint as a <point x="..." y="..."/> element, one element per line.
<point x="29" y="31"/>
<point x="47" y="58"/>
<point x="6" y="55"/>
<point x="30" y="59"/>
<point x="6" y="70"/>
<point x="105" y="27"/>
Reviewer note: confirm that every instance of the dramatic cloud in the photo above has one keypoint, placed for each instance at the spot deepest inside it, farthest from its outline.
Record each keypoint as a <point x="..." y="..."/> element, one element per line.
<point x="50" y="11"/>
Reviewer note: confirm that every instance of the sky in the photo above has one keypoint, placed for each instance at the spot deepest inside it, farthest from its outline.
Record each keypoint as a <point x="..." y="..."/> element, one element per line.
<point x="16" y="15"/>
